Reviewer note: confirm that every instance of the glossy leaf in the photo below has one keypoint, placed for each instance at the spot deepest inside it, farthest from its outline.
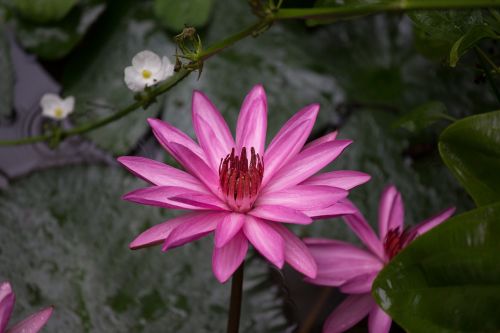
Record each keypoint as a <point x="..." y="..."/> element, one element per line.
<point x="447" y="280"/>
<point x="175" y="15"/>
<point x="423" y="116"/>
<point x="471" y="150"/>
<point x="43" y="11"/>
<point x="467" y="41"/>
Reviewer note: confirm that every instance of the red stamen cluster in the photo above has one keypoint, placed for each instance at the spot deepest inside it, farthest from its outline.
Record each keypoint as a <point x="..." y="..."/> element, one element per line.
<point x="240" y="179"/>
<point x="395" y="240"/>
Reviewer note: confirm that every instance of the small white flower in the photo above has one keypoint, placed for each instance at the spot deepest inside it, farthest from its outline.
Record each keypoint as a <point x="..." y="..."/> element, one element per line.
<point x="147" y="69"/>
<point x="55" y="107"/>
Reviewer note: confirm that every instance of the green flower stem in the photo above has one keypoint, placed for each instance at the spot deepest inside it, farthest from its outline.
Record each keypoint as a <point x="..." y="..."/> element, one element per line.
<point x="233" y="320"/>
<point x="353" y="11"/>
<point x="342" y="12"/>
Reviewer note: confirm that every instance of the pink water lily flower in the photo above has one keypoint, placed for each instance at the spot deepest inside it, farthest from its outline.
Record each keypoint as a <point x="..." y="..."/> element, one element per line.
<point x="353" y="269"/>
<point x="239" y="190"/>
<point x="32" y="324"/>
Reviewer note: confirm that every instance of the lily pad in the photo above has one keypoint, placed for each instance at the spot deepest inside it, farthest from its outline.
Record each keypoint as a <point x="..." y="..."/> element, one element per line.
<point x="43" y="11"/>
<point x="75" y="256"/>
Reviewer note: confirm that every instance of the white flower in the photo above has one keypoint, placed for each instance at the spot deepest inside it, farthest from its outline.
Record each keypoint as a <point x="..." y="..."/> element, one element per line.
<point x="55" y="107"/>
<point x="147" y="69"/>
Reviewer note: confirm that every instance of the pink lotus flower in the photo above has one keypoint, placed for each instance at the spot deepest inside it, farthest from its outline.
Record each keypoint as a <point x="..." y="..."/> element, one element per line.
<point x="238" y="189"/>
<point x="32" y="324"/>
<point x="353" y="269"/>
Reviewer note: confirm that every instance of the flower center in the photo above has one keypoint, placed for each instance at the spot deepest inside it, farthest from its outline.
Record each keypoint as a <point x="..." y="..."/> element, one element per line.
<point x="240" y="179"/>
<point x="146" y="74"/>
<point x="58" y="112"/>
<point x="395" y="240"/>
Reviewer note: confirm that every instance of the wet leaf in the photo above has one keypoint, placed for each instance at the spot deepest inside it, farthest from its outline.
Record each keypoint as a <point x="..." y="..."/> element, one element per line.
<point x="471" y="149"/>
<point x="448" y="279"/>
<point x="43" y="11"/>
<point x="75" y="256"/>
<point x="175" y="15"/>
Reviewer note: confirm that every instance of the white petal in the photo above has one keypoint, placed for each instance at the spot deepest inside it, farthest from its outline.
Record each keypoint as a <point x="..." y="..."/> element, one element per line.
<point x="133" y="79"/>
<point x="146" y="60"/>
<point x="167" y="69"/>
<point x="49" y="101"/>
<point x="68" y="105"/>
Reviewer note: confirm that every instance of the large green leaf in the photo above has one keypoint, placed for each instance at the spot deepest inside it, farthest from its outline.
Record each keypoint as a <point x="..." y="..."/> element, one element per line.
<point x="471" y="149"/>
<point x="175" y="15"/>
<point x="63" y="241"/>
<point x="467" y="41"/>
<point x="95" y="75"/>
<point x="447" y="280"/>
<point x="43" y="11"/>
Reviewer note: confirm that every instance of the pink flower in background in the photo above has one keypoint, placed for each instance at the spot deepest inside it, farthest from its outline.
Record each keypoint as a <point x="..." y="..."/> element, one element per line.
<point x="239" y="190"/>
<point x="32" y="324"/>
<point x="353" y="269"/>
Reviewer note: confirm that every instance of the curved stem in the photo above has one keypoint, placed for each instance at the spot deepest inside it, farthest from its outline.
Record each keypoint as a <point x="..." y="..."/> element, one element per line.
<point x="233" y="321"/>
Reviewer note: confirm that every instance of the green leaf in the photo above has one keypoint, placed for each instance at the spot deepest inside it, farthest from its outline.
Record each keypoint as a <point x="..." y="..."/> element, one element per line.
<point x="95" y="75"/>
<point x="55" y="40"/>
<point x="69" y="248"/>
<point x="6" y="79"/>
<point x="467" y="41"/>
<point x="423" y="116"/>
<point x="174" y="14"/>
<point x="43" y="11"/>
<point x="471" y="150"/>
<point x="447" y="280"/>
<point x="437" y="31"/>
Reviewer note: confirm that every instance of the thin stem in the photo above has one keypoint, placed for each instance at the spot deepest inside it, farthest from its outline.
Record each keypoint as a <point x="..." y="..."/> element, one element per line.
<point x="351" y="11"/>
<point x="233" y="321"/>
<point x="312" y="316"/>
<point x="483" y="58"/>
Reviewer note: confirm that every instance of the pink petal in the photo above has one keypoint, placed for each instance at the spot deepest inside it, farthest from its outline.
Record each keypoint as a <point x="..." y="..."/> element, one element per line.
<point x="193" y="229"/>
<point x="357" y="223"/>
<point x="379" y="321"/>
<point x="265" y="239"/>
<point x="197" y="167"/>
<point x="325" y="138"/>
<point x="252" y="121"/>
<point x="280" y="214"/>
<point x="303" y="197"/>
<point x="228" y="258"/>
<point x="7" y="300"/>
<point x="390" y="211"/>
<point x="158" y="233"/>
<point x="345" y="179"/>
<point x="158" y="173"/>
<point x="339" y="262"/>
<point x="432" y="222"/>
<point x="360" y="284"/>
<point x="306" y="164"/>
<point x="340" y="208"/>
<point x="33" y="323"/>
<point x="351" y="311"/>
<point x="175" y="198"/>
<point x="297" y="254"/>
<point x="289" y="140"/>
<point x="227" y="228"/>
<point x="211" y="130"/>
<point x="166" y="134"/>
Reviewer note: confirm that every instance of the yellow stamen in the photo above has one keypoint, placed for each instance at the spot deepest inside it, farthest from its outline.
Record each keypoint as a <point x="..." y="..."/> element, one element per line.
<point x="146" y="74"/>
<point x="58" y="112"/>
